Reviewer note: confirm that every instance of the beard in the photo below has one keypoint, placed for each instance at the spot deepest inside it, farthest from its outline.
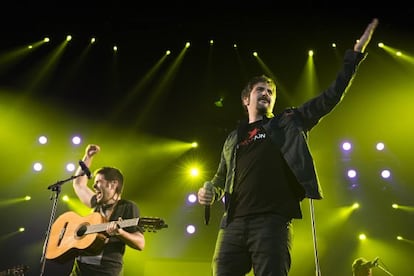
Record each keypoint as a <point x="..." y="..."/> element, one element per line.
<point x="262" y="109"/>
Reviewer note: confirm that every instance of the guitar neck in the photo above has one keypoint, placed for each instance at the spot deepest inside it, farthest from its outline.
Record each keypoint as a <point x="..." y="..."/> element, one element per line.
<point x="101" y="227"/>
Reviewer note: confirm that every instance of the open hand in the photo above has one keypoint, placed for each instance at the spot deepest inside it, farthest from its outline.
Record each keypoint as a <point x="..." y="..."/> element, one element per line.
<point x="362" y="43"/>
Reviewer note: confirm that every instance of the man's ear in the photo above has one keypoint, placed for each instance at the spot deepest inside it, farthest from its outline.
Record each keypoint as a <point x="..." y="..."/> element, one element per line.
<point x="246" y="101"/>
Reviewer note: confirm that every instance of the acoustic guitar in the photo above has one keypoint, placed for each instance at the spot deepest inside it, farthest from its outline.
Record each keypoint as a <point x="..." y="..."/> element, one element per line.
<point x="72" y="234"/>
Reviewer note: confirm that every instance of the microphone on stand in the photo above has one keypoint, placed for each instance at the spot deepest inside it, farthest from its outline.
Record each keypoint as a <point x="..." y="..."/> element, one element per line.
<point x="374" y="262"/>
<point x="85" y="169"/>
<point x="208" y="186"/>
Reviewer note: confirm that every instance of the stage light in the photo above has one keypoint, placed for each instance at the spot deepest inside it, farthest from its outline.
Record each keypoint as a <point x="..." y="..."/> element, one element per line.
<point x="37" y="166"/>
<point x="362" y="237"/>
<point x="190" y="229"/>
<point x="385" y="174"/>
<point x="194" y="172"/>
<point x="192" y="198"/>
<point x="380" y="146"/>
<point x="346" y="146"/>
<point x="76" y="140"/>
<point x="70" y="167"/>
<point x="42" y="139"/>
<point x="352" y="173"/>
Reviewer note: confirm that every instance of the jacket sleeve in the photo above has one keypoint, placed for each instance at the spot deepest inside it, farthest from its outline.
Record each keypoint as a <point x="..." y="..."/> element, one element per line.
<point x="314" y="109"/>
<point x="223" y="177"/>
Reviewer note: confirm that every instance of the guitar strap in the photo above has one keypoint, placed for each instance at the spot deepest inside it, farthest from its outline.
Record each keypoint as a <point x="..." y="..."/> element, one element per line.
<point x="106" y="210"/>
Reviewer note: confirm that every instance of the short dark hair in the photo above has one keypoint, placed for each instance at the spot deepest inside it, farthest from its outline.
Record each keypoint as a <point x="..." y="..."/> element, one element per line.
<point x="110" y="174"/>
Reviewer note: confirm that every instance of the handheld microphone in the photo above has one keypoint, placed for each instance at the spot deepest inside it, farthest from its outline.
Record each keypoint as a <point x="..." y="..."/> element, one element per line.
<point x="208" y="186"/>
<point x="85" y="169"/>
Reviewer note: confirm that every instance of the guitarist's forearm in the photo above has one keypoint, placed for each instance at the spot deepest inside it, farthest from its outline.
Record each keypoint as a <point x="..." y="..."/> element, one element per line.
<point x="80" y="184"/>
<point x="84" y="193"/>
<point x="134" y="240"/>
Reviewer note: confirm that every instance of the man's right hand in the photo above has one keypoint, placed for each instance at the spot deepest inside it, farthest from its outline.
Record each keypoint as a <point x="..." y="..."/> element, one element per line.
<point x="91" y="150"/>
<point x="362" y="43"/>
<point x="206" y="194"/>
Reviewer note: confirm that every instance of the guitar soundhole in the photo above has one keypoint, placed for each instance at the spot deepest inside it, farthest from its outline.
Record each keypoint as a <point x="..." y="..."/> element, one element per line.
<point x="81" y="231"/>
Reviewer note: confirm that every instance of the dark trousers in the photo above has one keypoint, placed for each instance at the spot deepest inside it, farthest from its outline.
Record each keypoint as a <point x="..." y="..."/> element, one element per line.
<point x="262" y="242"/>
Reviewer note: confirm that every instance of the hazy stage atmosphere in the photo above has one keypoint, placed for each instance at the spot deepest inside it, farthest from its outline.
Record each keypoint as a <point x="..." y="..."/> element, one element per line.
<point x="147" y="84"/>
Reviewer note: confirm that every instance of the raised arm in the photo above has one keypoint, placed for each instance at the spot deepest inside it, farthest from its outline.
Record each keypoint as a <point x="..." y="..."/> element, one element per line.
<point x="80" y="184"/>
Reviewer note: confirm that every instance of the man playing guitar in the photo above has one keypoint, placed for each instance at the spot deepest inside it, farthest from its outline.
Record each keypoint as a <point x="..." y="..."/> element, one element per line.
<point x="105" y="198"/>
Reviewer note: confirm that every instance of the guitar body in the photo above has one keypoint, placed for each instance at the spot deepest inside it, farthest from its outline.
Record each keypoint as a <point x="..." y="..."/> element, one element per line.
<point x="67" y="239"/>
<point x="72" y="235"/>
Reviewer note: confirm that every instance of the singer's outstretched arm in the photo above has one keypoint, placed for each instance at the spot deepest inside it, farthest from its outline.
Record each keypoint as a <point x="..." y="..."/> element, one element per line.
<point x="80" y="184"/>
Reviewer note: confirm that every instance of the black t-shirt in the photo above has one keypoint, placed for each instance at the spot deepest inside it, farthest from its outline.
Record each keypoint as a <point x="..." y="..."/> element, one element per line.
<point x="264" y="183"/>
<point x="110" y="260"/>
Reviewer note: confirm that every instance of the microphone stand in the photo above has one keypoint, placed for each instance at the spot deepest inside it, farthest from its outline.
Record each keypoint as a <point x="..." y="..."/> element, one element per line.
<point x="315" y="244"/>
<point x="383" y="269"/>
<point x="56" y="187"/>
